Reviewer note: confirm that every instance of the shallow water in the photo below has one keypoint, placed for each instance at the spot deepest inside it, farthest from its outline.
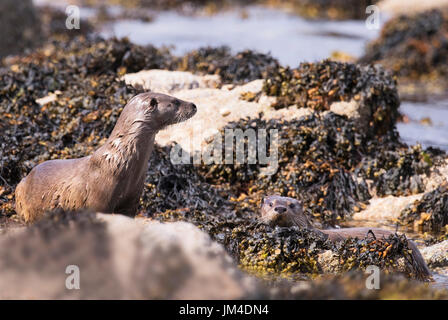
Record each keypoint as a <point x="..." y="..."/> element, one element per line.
<point x="287" y="37"/>
<point x="429" y="133"/>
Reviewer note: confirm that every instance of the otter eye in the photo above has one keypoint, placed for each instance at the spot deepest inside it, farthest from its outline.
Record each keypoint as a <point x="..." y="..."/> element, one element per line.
<point x="291" y="205"/>
<point x="176" y="103"/>
<point x="153" y="103"/>
<point x="271" y="204"/>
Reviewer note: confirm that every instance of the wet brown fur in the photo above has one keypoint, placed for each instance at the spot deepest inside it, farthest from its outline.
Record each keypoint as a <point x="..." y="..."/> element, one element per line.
<point x="111" y="179"/>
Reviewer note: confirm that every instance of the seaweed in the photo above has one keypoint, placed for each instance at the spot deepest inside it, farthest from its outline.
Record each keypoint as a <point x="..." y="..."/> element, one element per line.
<point x="390" y="254"/>
<point x="318" y="85"/>
<point x="430" y="213"/>
<point x="243" y="67"/>
<point x="397" y="171"/>
<point x="414" y="47"/>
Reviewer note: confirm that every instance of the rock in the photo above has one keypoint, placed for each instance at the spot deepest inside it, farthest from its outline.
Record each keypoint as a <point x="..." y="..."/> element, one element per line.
<point x="165" y="81"/>
<point x="118" y="258"/>
<point x="352" y="110"/>
<point x="387" y="208"/>
<point x="436" y="255"/>
<point x="438" y="176"/>
<point x="329" y="262"/>
<point x="20" y="26"/>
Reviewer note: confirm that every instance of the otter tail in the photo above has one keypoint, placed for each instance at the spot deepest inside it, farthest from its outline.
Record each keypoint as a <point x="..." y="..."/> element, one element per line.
<point x="421" y="269"/>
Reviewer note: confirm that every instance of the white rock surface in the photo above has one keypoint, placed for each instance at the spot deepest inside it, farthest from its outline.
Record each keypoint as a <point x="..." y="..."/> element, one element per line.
<point x="387" y="208"/>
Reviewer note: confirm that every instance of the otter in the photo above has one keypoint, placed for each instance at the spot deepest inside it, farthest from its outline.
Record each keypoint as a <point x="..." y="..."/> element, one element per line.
<point x="286" y="212"/>
<point x="111" y="180"/>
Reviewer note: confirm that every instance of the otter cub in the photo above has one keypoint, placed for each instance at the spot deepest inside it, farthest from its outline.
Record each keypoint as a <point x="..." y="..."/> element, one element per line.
<point x="111" y="179"/>
<point x="286" y="212"/>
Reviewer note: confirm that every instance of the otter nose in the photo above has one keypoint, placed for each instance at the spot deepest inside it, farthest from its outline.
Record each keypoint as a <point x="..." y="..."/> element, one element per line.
<point x="194" y="107"/>
<point x="280" y="209"/>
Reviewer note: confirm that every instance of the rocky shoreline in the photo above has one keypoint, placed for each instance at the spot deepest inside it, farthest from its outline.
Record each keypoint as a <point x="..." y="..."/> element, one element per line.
<point x="339" y="154"/>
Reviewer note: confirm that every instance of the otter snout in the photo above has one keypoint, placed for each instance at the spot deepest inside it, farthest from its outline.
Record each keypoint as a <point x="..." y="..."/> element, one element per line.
<point x="280" y="209"/>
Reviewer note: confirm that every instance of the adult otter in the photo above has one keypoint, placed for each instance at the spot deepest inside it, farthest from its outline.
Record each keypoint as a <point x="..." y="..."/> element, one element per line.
<point x="286" y="212"/>
<point x="111" y="179"/>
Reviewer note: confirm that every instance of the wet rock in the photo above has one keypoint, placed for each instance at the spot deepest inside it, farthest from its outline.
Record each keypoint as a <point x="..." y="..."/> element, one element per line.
<point x="436" y="255"/>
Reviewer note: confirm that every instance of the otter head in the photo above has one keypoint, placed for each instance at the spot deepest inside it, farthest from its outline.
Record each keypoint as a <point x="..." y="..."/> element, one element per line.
<point x="283" y="212"/>
<point x="155" y="111"/>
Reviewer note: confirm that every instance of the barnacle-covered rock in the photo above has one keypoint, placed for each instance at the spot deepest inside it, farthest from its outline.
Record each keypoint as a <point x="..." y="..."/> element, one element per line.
<point x="319" y="85"/>
<point x="430" y="213"/>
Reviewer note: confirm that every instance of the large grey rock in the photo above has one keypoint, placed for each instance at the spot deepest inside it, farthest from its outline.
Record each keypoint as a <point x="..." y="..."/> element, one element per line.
<point x="118" y="258"/>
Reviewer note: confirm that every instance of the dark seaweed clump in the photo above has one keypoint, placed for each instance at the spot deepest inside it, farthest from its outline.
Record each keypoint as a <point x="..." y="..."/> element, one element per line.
<point x="318" y="85"/>
<point x="413" y="45"/>
<point x="281" y="251"/>
<point x="291" y="252"/>
<point x="390" y="254"/>
<point x="397" y="171"/>
<point x="243" y="67"/>
<point x="171" y="187"/>
<point x="430" y="213"/>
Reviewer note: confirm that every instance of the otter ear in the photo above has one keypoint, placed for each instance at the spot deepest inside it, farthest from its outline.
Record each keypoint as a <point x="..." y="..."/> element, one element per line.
<point x="153" y="103"/>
